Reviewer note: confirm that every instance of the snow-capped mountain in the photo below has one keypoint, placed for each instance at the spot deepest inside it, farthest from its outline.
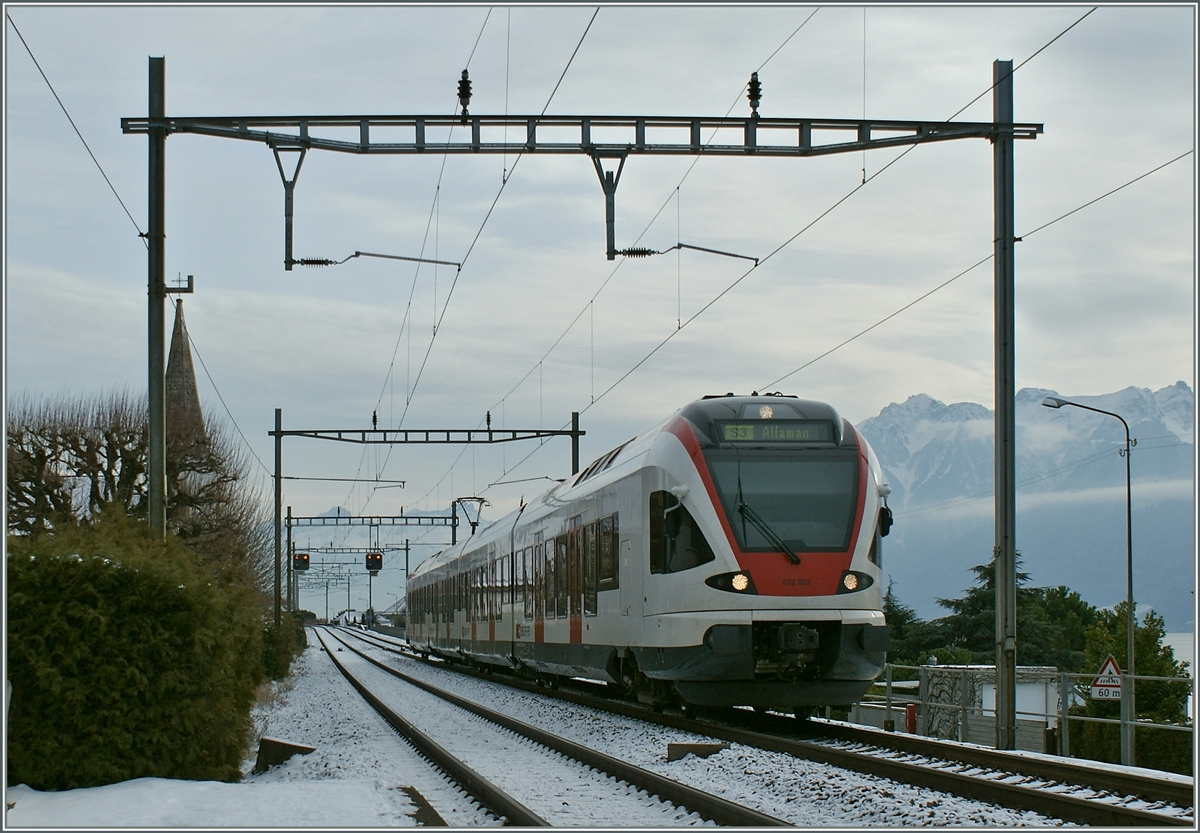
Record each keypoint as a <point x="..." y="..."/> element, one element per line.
<point x="939" y="460"/>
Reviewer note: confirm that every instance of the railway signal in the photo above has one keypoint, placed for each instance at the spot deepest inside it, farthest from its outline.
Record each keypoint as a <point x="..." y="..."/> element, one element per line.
<point x="300" y="561"/>
<point x="374" y="562"/>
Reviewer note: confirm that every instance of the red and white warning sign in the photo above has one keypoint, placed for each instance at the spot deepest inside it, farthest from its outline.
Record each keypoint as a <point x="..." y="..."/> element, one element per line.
<point x="1107" y="685"/>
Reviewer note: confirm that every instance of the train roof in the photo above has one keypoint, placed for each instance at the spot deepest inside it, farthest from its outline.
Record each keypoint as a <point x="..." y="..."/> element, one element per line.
<point x="712" y="412"/>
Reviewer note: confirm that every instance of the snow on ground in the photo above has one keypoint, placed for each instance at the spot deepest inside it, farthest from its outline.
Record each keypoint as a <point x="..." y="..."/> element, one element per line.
<point x="362" y="775"/>
<point x="355" y="778"/>
<point x="803" y="793"/>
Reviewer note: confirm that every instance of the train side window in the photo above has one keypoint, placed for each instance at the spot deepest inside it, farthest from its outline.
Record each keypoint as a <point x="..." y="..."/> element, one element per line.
<point x="551" y="581"/>
<point x="676" y="542"/>
<point x="575" y="568"/>
<point x="560" y="570"/>
<point x="608" y="571"/>
<point x="490" y="583"/>
<point x="526" y="586"/>
<point x="590" y="536"/>
<point x="539" y="581"/>
<point x="502" y="577"/>
<point x="479" y="594"/>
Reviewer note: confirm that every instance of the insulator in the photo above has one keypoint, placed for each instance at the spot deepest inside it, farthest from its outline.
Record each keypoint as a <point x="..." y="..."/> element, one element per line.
<point x="314" y="261"/>
<point x="755" y="92"/>
<point x="637" y="252"/>
<point x="464" y="92"/>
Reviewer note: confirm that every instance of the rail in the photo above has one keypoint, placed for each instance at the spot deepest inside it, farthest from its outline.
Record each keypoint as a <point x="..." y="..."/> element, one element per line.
<point x="770" y="731"/>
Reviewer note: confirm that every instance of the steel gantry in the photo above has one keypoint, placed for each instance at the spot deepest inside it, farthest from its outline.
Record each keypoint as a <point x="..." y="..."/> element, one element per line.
<point x="371" y="521"/>
<point x="603" y="138"/>
<point x="439" y="436"/>
<point x="612" y="139"/>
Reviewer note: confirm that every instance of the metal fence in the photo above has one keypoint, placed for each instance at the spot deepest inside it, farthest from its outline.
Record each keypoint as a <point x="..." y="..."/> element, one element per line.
<point x="958" y="703"/>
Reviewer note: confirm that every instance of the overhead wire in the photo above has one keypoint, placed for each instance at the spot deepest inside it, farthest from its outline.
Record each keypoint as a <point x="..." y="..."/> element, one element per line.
<point x="108" y="181"/>
<point x="970" y="268"/>
<point x="661" y="208"/>
<point x="406" y="321"/>
<point x="491" y="208"/>
<point x="479" y="233"/>
<point x="839" y="202"/>
<point x="804" y="229"/>
<point x="75" y="127"/>
<point x="217" y="390"/>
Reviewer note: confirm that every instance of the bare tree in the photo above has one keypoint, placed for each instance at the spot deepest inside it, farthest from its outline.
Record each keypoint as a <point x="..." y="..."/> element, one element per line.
<point x="70" y="459"/>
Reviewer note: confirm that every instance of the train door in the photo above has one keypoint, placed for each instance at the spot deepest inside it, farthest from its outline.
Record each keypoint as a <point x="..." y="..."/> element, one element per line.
<point x="575" y="580"/>
<point x="561" y="584"/>
<point x="539" y="589"/>
<point x="491" y="598"/>
<point x="526" y="601"/>
<point x="512" y="615"/>
<point x="469" y="613"/>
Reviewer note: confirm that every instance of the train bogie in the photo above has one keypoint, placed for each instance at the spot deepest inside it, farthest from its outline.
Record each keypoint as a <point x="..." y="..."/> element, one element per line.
<point x="730" y="556"/>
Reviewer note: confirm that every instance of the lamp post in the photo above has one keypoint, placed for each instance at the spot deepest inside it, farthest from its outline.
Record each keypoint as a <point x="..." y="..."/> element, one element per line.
<point x="1128" y="710"/>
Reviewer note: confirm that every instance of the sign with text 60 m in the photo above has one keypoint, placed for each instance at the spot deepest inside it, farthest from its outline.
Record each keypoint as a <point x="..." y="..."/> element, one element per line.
<point x="1107" y="684"/>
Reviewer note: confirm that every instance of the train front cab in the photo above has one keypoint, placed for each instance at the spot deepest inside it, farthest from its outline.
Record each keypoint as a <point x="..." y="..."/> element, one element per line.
<point x="764" y="574"/>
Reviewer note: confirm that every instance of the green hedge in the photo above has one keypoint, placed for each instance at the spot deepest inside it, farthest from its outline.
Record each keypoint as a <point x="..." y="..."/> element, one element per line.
<point x="128" y="658"/>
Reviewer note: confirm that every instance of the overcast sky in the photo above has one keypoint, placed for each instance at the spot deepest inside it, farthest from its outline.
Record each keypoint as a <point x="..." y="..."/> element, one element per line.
<point x="538" y="323"/>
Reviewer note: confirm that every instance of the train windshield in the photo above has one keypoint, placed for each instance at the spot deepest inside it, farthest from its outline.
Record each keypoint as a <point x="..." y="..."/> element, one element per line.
<point x="805" y="500"/>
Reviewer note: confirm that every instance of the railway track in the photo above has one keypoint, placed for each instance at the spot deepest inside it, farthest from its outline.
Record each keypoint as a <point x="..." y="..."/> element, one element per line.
<point x="1059" y="789"/>
<point x="589" y="778"/>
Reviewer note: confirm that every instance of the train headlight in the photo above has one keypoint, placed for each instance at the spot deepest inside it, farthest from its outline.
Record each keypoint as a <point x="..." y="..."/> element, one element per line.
<point x="739" y="582"/>
<point x="852" y="582"/>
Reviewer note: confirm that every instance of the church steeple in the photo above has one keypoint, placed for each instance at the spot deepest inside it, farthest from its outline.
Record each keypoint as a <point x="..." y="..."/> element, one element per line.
<point x="185" y="422"/>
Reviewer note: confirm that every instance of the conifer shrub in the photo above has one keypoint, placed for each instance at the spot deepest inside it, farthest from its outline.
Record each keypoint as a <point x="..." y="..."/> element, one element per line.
<point x="281" y="645"/>
<point x="129" y="657"/>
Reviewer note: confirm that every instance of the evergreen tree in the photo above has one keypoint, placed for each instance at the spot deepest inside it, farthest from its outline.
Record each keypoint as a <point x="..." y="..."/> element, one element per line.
<point x="1050" y="624"/>
<point x="1072" y="617"/>
<point x="909" y="636"/>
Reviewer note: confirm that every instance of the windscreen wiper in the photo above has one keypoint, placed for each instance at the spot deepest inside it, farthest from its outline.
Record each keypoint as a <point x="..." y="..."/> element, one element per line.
<point x="761" y="525"/>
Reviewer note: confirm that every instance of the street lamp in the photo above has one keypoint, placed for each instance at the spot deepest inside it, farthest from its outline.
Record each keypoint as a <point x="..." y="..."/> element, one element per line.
<point x="1128" y="710"/>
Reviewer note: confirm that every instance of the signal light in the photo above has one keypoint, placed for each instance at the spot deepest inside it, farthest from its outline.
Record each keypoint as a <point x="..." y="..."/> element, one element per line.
<point x="300" y="561"/>
<point x="374" y="562"/>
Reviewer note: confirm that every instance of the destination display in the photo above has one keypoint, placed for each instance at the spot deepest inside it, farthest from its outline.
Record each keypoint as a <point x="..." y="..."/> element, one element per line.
<point x="776" y="431"/>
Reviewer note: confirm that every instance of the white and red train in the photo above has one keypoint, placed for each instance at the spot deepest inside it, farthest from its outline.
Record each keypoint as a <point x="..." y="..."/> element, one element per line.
<point x="729" y="556"/>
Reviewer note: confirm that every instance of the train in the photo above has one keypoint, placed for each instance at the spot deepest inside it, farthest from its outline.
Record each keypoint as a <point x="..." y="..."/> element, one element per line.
<point x="729" y="556"/>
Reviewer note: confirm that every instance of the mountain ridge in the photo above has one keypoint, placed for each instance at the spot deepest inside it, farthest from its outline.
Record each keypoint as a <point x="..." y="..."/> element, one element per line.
<point x="939" y="461"/>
